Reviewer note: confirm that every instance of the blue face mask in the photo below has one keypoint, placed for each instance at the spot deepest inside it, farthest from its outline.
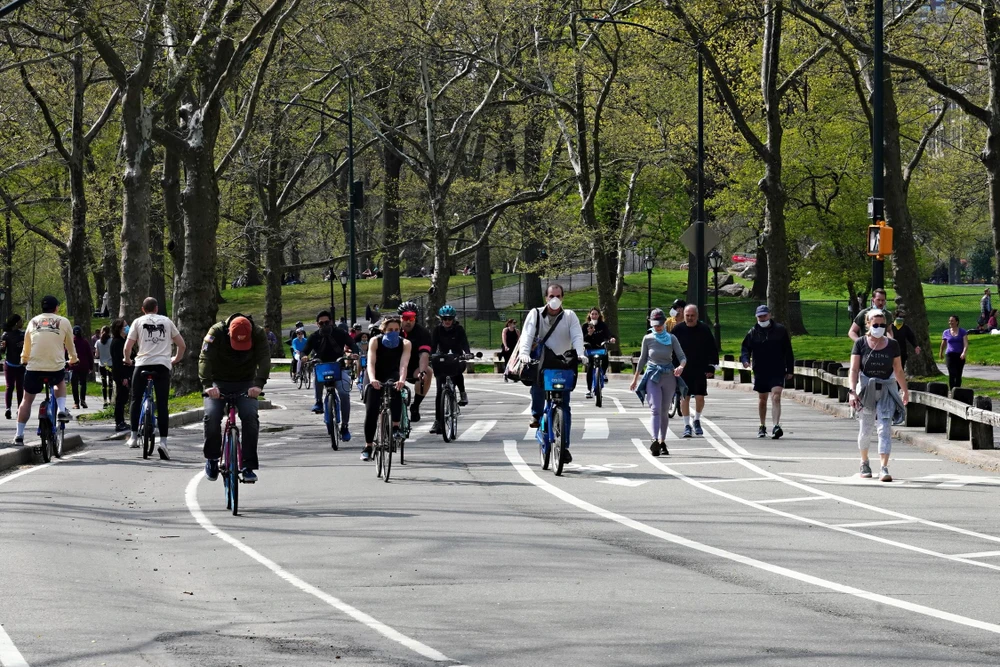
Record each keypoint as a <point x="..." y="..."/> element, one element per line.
<point x="127" y="327"/>
<point x="663" y="337"/>
<point x="391" y="339"/>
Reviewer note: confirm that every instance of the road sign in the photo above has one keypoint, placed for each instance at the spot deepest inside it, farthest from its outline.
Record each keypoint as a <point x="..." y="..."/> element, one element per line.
<point x="712" y="238"/>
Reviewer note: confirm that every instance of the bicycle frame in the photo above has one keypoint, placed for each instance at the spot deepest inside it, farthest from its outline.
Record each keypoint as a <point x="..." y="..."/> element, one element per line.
<point x="47" y="415"/>
<point x="556" y="383"/>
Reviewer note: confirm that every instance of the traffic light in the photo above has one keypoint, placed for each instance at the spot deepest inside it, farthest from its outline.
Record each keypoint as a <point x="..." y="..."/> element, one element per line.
<point x="879" y="239"/>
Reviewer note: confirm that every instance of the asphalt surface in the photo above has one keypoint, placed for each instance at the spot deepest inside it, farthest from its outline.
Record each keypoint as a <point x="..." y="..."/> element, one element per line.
<point x="732" y="550"/>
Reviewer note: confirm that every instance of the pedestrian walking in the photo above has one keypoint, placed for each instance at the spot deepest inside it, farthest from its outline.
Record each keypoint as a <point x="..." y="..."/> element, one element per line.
<point x="904" y="335"/>
<point x="676" y="313"/>
<point x="878" y="303"/>
<point x="120" y="373"/>
<point x="81" y="369"/>
<point x="702" y="357"/>
<point x="954" y="345"/>
<point x="508" y="343"/>
<point x="272" y="341"/>
<point x="768" y="348"/>
<point x="12" y="344"/>
<point x="659" y="377"/>
<point x="877" y="400"/>
<point x="102" y="354"/>
<point x="985" y="307"/>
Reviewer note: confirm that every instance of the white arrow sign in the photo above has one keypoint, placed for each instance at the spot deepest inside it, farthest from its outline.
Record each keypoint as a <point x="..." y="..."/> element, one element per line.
<point x="622" y="481"/>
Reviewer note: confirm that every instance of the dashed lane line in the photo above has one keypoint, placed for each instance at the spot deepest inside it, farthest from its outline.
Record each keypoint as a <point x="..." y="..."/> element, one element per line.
<point x="510" y="449"/>
<point x="9" y="655"/>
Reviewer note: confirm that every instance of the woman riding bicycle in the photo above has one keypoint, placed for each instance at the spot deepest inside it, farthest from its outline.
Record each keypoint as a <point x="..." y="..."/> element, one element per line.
<point x="298" y="345"/>
<point x="388" y="358"/>
<point x="596" y="334"/>
<point x="448" y="338"/>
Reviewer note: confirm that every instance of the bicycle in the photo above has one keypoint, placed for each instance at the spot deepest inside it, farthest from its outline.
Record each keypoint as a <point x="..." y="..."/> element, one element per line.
<point x="147" y="418"/>
<point x="450" y="365"/>
<point x="387" y="442"/>
<point x="552" y="435"/>
<point x="50" y="429"/>
<point x="597" y="358"/>
<point x="303" y="375"/>
<point x="231" y="465"/>
<point x="675" y="405"/>
<point x="330" y="374"/>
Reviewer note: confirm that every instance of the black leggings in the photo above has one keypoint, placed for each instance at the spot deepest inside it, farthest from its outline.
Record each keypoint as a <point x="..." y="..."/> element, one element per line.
<point x="107" y="384"/>
<point x="15" y="380"/>
<point x="161" y="391"/>
<point x="121" y="399"/>
<point x="373" y="405"/>
<point x="79" y="383"/>
<point x="955" y="364"/>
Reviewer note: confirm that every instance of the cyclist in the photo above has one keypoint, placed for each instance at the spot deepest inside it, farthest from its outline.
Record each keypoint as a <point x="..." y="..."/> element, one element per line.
<point x="388" y="360"/>
<point x="597" y="335"/>
<point x="235" y="359"/>
<point x="417" y="372"/>
<point x="154" y="333"/>
<point x="449" y="338"/>
<point x="298" y="346"/>
<point x="563" y="349"/>
<point x="47" y="340"/>
<point x="329" y="343"/>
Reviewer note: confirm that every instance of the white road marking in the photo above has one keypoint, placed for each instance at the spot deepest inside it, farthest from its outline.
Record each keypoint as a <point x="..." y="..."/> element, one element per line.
<point x="692" y="449"/>
<point x="850" y="480"/>
<point x="476" y="432"/>
<point x="872" y="524"/>
<point x="530" y="434"/>
<point x="618" y="404"/>
<point x="595" y="428"/>
<point x="736" y="479"/>
<point x="981" y="554"/>
<point x="622" y="481"/>
<point x="510" y="449"/>
<point x="800" y="499"/>
<point x="694" y="463"/>
<point x="28" y="471"/>
<point x="191" y="498"/>
<point x="9" y="655"/>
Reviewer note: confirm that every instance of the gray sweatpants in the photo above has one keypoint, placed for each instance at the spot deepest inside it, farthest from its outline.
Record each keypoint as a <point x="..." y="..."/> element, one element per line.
<point x="869" y="424"/>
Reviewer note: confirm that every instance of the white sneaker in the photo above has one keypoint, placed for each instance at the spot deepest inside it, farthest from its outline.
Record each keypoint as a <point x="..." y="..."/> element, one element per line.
<point x="161" y="448"/>
<point x="132" y="442"/>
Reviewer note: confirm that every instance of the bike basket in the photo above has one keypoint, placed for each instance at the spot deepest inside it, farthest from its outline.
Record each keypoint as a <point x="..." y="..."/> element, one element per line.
<point x="598" y="352"/>
<point x="447" y="366"/>
<point x="328" y="372"/>
<point x="559" y="379"/>
<point x="364" y="361"/>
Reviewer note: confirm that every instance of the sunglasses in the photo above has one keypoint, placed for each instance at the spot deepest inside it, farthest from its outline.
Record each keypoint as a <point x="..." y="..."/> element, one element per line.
<point x="447" y="319"/>
<point x="408" y="317"/>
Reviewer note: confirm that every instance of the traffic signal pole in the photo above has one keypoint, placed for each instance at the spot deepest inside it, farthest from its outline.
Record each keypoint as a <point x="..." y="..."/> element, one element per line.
<point x="877" y="205"/>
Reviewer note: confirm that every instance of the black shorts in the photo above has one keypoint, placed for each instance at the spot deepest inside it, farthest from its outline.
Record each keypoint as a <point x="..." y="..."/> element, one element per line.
<point x="33" y="380"/>
<point x="763" y="383"/>
<point x="697" y="383"/>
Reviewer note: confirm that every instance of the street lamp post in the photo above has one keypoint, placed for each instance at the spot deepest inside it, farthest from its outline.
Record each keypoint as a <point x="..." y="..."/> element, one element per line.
<point x="650" y="261"/>
<point x="715" y="263"/>
<point x="877" y="205"/>
<point x="333" y="308"/>
<point x="343" y="284"/>
<point x="11" y="7"/>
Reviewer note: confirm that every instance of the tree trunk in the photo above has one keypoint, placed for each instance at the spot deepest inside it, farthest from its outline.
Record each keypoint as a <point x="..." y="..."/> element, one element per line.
<point x="274" y="248"/>
<point x="79" y="305"/>
<point x="157" y="275"/>
<point x="173" y="216"/>
<point x="136" y="266"/>
<point x="251" y="256"/>
<point x="109" y="265"/>
<point x="759" y="290"/>
<point x="779" y="274"/>
<point x="533" y="296"/>
<point x="391" y="290"/>
<point x="442" y="264"/>
<point x="485" y="305"/>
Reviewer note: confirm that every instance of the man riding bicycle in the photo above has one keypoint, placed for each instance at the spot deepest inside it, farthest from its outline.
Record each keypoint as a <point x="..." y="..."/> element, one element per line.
<point x="418" y="372"/>
<point x="235" y="359"/>
<point x="154" y="333"/>
<point x="47" y="340"/>
<point x="449" y="338"/>
<point x="330" y="343"/>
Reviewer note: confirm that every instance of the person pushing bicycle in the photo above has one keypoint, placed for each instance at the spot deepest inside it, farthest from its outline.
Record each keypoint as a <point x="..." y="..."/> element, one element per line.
<point x="388" y="359"/>
<point x="47" y="340"/>
<point x="235" y="359"/>
<point x="448" y="338"/>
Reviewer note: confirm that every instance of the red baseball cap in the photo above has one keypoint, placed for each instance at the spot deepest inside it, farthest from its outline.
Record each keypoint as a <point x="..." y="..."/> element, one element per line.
<point x="241" y="334"/>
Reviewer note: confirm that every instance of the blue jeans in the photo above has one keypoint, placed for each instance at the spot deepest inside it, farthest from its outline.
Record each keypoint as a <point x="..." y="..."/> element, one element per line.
<point x="538" y="403"/>
<point x="344" y="389"/>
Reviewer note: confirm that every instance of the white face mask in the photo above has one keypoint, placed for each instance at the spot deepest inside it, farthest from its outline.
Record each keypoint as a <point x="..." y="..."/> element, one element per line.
<point x="555" y="303"/>
<point x="673" y="312"/>
<point x="765" y="324"/>
<point x="593" y="322"/>
<point x="877" y="332"/>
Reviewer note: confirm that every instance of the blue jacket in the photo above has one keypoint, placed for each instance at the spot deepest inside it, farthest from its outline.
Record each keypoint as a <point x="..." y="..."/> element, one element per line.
<point x="652" y="374"/>
<point x="883" y="397"/>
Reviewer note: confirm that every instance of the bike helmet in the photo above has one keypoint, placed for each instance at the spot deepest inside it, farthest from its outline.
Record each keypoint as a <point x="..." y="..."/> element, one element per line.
<point x="447" y="311"/>
<point x="407" y="307"/>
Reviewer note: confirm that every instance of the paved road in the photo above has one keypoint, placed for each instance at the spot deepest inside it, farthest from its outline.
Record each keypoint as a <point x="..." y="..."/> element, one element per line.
<point x="732" y="550"/>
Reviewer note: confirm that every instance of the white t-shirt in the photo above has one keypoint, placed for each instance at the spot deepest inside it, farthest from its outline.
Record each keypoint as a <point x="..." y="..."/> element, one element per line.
<point x="153" y="335"/>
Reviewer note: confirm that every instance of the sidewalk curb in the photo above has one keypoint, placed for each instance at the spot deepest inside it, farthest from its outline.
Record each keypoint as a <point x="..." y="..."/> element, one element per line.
<point x="12" y="457"/>
<point x="188" y="417"/>
<point x="952" y="450"/>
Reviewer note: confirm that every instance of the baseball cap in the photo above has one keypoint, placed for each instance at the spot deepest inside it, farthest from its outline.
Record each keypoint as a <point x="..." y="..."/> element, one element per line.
<point x="657" y="315"/>
<point x="77" y="331"/>
<point x="241" y="334"/>
<point x="762" y="310"/>
<point x="49" y="303"/>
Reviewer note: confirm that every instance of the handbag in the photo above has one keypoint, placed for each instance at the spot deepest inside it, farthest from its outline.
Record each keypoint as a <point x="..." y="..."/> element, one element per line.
<point x="532" y="367"/>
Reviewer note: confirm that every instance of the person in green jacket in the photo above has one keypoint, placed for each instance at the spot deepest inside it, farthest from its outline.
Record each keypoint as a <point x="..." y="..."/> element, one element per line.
<point x="235" y="359"/>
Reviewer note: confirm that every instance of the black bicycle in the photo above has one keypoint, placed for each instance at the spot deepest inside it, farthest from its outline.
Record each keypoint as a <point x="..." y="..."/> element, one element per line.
<point x="387" y="439"/>
<point x="450" y="365"/>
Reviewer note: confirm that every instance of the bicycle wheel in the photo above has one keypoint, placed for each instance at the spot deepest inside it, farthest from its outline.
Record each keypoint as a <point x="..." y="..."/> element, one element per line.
<point x="234" y="473"/>
<point x="675" y="406"/>
<point x="148" y="439"/>
<point x="452" y="423"/>
<point x="558" y="440"/>
<point x="447" y="413"/>
<point x="332" y="429"/>
<point x="309" y="379"/>
<point x="598" y="386"/>
<point x="58" y="439"/>
<point x="301" y="379"/>
<point x="387" y="453"/>
<point x="45" y="431"/>
<point x="384" y="434"/>
<point x="292" y="371"/>
<point x="224" y="470"/>
<point x="544" y="451"/>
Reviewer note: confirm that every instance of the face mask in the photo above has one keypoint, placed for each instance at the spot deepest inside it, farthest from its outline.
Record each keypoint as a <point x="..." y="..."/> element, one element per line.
<point x="127" y="327"/>
<point x="555" y="303"/>
<point x="662" y="337"/>
<point x="391" y="339"/>
<point x="765" y="324"/>
<point x="673" y="312"/>
<point x="593" y="323"/>
<point x="898" y="323"/>
<point x="877" y="332"/>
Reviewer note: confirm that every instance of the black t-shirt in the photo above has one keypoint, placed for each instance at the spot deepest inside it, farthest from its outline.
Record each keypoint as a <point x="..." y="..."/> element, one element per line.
<point x="699" y="346"/>
<point x="14" y="345"/>
<point x="387" y="360"/>
<point x="876" y="364"/>
<point x="329" y="345"/>
<point x="420" y="340"/>
<point x="860" y="319"/>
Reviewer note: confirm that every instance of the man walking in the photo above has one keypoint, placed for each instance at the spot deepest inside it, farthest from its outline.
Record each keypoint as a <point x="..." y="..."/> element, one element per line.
<point x="154" y="334"/>
<point x="702" y="357"/>
<point x="768" y="348"/>
<point x="985" y="307"/>
<point x="860" y="325"/>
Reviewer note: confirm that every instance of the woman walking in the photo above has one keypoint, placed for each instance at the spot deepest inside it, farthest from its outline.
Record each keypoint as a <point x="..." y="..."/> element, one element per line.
<point x="12" y="343"/>
<point x="120" y="373"/>
<point x="659" y="380"/>
<point x="954" y="345"/>
<point x="81" y="370"/>
<point x="508" y="343"/>
<point x="102" y="350"/>
<point x="873" y="391"/>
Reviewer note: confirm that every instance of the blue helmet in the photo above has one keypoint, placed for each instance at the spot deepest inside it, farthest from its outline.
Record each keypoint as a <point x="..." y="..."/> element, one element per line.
<point x="447" y="311"/>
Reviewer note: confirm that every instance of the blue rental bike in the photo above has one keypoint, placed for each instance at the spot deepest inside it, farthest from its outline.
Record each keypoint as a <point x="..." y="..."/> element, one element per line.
<point x="147" y="418"/>
<point x="330" y="374"/>
<point x="597" y="359"/>
<point x="553" y="432"/>
<point x="50" y="429"/>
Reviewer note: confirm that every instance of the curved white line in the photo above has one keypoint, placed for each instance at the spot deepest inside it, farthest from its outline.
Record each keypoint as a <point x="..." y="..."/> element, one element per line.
<point x="22" y="473"/>
<point x="9" y="655"/>
<point x="510" y="449"/>
<point x="191" y="498"/>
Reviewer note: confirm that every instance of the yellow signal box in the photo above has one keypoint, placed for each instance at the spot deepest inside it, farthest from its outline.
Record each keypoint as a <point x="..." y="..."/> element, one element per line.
<point x="879" y="240"/>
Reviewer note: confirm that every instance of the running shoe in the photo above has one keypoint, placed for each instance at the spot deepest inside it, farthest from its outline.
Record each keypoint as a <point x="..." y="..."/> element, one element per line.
<point x="463" y="398"/>
<point x="534" y="423"/>
<point x="19" y="441"/>
<point x="590" y="394"/>
<point x="133" y="442"/>
<point x="885" y="476"/>
<point x="249" y="476"/>
<point x="776" y="432"/>
<point x="317" y="409"/>
<point x="345" y="434"/>
<point x="63" y="416"/>
<point x="654" y="448"/>
<point x="866" y="470"/>
<point x="414" y="414"/>
<point x="762" y="431"/>
<point x="366" y="454"/>
<point x="161" y="449"/>
<point x="566" y="456"/>
<point x="212" y="470"/>
<point x="698" y="430"/>
<point x="687" y="431"/>
<point x="7" y="413"/>
<point x="435" y="427"/>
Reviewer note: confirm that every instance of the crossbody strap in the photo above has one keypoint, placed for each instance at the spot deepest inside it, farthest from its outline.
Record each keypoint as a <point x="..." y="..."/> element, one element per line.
<point x="551" y="330"/>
